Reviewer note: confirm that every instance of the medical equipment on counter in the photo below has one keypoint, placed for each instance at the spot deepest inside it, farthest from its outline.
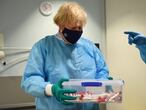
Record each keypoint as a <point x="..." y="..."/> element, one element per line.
<point x="9" y="51"/>
<point x="7" y="55"/>
<point x="6" y="65"/>
<point x="98" y="91"/>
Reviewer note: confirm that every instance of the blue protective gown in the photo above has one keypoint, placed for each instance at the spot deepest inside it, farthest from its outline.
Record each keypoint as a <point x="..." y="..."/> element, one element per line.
<point x="51" y="59"/>
<point x="142" y="49"/>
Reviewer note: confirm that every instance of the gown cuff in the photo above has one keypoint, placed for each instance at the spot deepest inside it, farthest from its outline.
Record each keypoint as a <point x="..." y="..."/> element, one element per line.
<point x="48" y="90"/>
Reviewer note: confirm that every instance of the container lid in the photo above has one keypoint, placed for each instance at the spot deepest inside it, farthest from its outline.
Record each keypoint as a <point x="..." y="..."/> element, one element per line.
<point x="93" y="82"/>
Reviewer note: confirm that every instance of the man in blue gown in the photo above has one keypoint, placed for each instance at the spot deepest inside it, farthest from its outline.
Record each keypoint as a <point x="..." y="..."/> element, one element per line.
<point x="57" y="58"/>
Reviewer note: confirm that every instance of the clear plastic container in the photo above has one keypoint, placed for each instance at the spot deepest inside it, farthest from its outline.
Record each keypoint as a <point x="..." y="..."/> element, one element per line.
<point x="105" y="91"/>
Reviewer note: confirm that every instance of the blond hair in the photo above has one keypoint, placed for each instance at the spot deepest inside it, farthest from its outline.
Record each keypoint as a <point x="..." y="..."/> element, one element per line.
<point x="70" y="13"/>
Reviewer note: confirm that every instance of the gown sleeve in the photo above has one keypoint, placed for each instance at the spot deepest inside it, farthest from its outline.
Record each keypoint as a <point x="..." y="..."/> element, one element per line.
<point x="142" y="49"/>
<point x="102" y="71"/>
<point x="33" y="80"/>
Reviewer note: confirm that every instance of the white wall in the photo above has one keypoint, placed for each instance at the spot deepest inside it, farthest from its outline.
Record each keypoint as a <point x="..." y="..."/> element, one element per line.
<point x="1" y="40"/>
<point x="123" y="59"/>
<point x="23" y="25"/>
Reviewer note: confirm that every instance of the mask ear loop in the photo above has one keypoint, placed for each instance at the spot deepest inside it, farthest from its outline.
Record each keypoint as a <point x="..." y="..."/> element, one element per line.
<point x="62" y="36"/>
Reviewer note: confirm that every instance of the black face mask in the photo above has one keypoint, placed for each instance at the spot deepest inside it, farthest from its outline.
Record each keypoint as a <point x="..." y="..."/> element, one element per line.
<point x="72" y="36"/>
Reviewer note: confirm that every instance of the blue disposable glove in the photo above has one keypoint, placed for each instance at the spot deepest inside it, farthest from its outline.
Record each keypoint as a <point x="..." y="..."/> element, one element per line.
<point x="59" y="92"/>
<point x="139" y="40"/>
<point x="135" y="38"/>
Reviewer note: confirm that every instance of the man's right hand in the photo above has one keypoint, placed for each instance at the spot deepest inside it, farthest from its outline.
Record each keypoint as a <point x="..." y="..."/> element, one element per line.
<point x="59" y="92"/>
